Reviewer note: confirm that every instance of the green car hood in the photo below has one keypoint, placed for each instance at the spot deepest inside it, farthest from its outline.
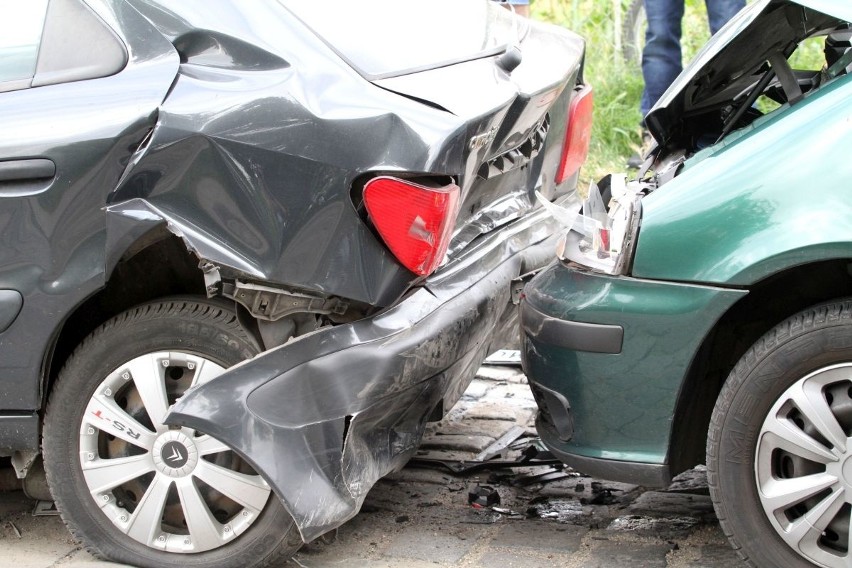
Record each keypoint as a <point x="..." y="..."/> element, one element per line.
<point x="729" y="63"/>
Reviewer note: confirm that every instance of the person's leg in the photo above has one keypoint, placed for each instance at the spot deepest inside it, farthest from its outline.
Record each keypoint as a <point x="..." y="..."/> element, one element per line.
<point x="661" y="58"/>
<point x="720" y="11"/>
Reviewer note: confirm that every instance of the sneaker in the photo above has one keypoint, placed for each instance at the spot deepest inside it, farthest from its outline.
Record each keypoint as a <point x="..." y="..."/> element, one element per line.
<point x="635" y="161"/>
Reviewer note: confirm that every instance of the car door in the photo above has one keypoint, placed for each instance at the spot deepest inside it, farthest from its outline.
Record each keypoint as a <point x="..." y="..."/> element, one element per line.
<point x="80" y="85"/>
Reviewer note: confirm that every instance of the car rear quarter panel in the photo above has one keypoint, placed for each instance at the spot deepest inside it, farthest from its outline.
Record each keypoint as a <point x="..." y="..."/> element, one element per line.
<point x="54" y="237"/>
<point x="257" y="168"/>
<point x="774" y="196"/>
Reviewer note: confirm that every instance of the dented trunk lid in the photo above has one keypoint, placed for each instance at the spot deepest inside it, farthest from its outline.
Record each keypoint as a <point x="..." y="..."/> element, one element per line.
<point x="467" y="65"/>
<point x="515" y="123"/>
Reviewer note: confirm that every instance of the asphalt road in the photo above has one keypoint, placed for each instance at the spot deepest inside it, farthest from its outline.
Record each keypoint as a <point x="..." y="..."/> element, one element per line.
<point x="420" y="516"/>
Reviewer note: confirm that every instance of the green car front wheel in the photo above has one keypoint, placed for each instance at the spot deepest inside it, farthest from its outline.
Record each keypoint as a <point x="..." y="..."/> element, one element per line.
<point x="779" y="450"/>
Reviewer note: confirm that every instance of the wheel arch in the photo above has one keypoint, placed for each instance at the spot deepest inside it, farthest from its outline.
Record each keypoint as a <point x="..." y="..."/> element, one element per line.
<point x="156" y="265"/>
<point x="768" y="303"/>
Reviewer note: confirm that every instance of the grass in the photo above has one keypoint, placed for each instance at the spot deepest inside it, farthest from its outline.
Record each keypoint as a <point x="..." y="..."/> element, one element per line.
<point x="617" y="83"/>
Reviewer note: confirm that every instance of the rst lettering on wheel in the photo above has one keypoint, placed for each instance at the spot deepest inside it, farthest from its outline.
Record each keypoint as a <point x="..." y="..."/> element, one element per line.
<point x="780" y="444"/>
<point x="135" y="490"/>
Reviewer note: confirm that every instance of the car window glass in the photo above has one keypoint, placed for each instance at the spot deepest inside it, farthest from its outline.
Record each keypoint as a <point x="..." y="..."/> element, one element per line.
<point x="77" y="45"/>
<point x="20" y="32"/>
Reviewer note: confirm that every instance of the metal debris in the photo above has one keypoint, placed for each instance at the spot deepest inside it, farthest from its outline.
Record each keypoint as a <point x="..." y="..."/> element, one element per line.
<point x="509" y="357"/>
<point x="500" y="445"/>
<point x="15" y="529"/>
<point x="481" y="496"/>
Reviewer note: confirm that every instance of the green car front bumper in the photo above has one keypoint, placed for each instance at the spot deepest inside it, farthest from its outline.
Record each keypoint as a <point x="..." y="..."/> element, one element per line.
<point x="606" y="357"/>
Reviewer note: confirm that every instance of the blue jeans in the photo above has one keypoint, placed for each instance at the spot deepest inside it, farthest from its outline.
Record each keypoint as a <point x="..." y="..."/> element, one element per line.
<point x="661" y="58"/>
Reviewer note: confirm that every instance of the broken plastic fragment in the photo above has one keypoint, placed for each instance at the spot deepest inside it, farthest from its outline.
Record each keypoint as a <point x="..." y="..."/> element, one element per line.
<point x="566" y="216"/>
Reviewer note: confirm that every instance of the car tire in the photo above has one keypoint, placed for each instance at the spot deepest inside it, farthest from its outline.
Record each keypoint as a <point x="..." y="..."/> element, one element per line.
<point x="779" y="455"/>
<point x="107" y="454"/>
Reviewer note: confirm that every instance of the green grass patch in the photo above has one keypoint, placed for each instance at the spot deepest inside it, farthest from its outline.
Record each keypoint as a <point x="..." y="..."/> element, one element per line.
<point x="617" y="83"/>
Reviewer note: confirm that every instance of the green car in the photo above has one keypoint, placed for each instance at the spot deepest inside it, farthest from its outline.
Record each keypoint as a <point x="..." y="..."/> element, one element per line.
<point x="705" y="313"/>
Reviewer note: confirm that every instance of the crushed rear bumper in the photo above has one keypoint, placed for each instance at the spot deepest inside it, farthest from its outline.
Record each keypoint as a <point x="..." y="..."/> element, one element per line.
<point x="324" y="417"/>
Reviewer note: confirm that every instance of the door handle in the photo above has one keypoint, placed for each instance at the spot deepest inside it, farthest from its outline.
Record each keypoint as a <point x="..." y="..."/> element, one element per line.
<point x="27" y="170"/>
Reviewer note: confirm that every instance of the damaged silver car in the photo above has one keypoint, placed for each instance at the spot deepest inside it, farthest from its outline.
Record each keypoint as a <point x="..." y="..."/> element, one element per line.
<point x="250" y="248"/>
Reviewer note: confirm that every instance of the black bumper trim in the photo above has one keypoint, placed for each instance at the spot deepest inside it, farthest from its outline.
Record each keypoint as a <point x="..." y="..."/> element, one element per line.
<point x="576" y="336"/>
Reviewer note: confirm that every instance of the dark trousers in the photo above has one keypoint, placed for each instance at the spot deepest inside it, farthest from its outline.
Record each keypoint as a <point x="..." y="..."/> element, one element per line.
<point x="661" y="58"/>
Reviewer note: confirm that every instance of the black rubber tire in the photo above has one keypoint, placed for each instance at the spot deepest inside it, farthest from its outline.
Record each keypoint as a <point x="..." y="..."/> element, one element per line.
<point x="810" y="340"/>
<point x="203" y="327"/>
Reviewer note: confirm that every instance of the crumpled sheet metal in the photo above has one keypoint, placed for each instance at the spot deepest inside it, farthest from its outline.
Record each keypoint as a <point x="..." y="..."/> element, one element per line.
<point x="324" y="417"/>
<point x="264" y="158"/>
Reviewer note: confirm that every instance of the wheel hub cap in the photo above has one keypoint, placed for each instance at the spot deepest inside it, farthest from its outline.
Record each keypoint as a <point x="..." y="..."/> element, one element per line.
<point x="847" y="473"/>
<point x="175" y="454"/>
<point x="171" y="490"/>
<point x="803" y="466"/>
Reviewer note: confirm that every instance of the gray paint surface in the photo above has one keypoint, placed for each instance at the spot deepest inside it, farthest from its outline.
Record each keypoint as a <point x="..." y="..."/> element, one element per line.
<point x="247" y="136"/>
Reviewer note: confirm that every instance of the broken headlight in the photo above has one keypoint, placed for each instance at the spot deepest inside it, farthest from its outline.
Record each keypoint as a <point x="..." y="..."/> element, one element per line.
<point x="601" y="239"/>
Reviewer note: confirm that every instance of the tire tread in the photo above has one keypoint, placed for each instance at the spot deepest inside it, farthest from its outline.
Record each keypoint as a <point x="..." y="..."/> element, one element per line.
<point x="824" y="315"/>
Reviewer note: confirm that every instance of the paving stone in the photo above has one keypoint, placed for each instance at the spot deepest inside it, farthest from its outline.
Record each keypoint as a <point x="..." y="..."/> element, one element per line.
<point x="457" y="442"/>
<point x="659" y="503"/>
<point x="694" y="480"/>
<point x="437" y="547"/>
<point x="501" y="373"/>
<point x="501" y="558"/>
<point x="663" y="527"/>
<point x="490" y="411"/>
<point x="477" y="389"/>
<point x="53" y="540"/>
<point x="610" y="553"/>
<point x="469" y="427"/>
<point x="539" y="535"/>
<point x="715" y="555"/>
<point x="82" y="559"/>
<point x="300" y="561"/>
<point x="512" y="395"/>
<point x="579" y="486"/>
<point x="412" y="475"/>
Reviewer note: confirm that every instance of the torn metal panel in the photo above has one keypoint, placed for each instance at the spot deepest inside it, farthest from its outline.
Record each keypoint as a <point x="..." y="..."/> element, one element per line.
<point x="347" y="405"/>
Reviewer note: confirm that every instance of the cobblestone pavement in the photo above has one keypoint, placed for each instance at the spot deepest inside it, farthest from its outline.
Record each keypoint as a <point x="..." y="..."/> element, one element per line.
<point x="420" y="517"/>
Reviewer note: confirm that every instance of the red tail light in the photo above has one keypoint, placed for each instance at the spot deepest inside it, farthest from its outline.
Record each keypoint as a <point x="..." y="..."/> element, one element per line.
<point x="415" y="221"/>
<point x="579" y="133"/>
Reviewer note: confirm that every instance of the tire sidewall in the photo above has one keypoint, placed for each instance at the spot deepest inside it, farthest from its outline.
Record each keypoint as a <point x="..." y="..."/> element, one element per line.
<point x="791" y="352"/>
<point x="177" y="326"/>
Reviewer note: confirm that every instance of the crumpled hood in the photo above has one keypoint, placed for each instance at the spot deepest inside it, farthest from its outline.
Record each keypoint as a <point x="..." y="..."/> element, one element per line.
<point x="730" y="62"/>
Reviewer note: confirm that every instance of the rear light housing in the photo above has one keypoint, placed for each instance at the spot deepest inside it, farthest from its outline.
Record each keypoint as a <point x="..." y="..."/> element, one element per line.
<point x="578" y="133"/>
<point x="416" y="221"/>
<point x="602" y="240"/>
